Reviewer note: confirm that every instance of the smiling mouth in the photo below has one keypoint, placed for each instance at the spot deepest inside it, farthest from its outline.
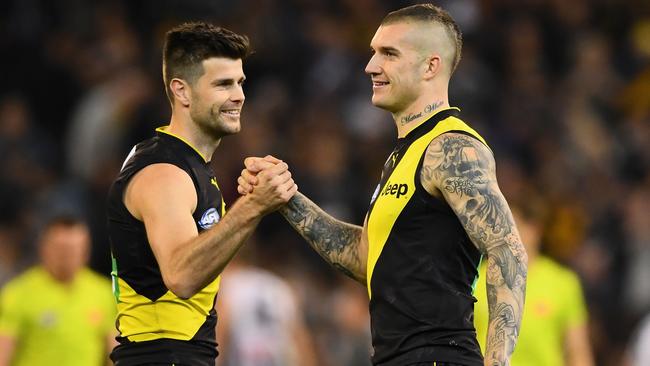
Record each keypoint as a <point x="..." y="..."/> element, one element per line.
<point x="379" y="84"/>
<point x="231" y="112"/>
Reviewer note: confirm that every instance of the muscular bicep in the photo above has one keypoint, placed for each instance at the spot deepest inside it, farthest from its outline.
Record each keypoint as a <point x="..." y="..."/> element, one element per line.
<point x="462" y="169"/>
<point x="163" y="197"/>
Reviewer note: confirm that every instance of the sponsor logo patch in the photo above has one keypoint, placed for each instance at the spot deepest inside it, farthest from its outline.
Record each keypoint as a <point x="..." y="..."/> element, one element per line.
<point x="396" y="189"/>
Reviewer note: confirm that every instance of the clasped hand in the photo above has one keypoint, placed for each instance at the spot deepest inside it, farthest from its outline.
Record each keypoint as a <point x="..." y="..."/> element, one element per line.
<point x="267" y="181"/>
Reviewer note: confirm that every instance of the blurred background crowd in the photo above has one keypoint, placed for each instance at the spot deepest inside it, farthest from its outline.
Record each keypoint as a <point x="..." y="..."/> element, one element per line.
<point x="560" y="89"/>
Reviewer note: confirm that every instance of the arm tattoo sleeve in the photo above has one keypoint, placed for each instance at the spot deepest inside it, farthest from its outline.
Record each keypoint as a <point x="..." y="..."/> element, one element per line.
<point x="463" y="169"/>
<point x="337" y="242"/>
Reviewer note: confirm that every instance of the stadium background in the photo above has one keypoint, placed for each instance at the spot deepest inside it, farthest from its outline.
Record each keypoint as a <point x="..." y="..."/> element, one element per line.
<point x="560" y="89"/>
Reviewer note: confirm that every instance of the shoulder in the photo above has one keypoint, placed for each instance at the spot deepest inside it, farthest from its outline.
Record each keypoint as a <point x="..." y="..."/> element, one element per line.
<point x="23" y="283"/>
<point x="158" y="187"/>
<point x="161" y="178"/>
<point x="563" y="276"/>
<point x="96" y="285"/>
<point x="550" y="266"/>
<point x="162" y="173"/>
<point x="93" y="278"/>
<point x="455" y="142"/>
<point x="454" y="156"/>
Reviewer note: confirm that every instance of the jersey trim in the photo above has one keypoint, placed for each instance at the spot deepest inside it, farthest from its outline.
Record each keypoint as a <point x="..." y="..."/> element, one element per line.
<point x="427" y="118"/>
<point x="163" y="129"/>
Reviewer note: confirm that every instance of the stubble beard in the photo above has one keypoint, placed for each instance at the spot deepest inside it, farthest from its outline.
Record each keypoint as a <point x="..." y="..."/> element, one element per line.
<point x="386" y="102"/>
<point x="395" y="101"/>
<point x="211" y="123"/>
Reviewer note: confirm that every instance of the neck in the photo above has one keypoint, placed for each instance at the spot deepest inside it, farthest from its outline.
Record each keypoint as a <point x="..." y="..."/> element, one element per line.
<point x="182" y="126"/>
<point x="64" y="280"/>
<point x="419" y="111"/>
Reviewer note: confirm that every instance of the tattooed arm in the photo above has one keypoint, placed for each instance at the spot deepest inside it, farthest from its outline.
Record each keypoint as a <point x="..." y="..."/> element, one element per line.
<point x="462" y="170"/>
<point x="342" y="245"/>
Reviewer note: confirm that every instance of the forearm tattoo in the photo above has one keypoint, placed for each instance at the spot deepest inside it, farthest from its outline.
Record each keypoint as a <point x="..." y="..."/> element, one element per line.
<point x="335" y="241"/>
<point x="463" y="169"/>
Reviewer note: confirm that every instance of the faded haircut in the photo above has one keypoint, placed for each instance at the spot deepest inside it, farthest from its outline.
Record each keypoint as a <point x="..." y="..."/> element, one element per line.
<point x="429" y="13"/>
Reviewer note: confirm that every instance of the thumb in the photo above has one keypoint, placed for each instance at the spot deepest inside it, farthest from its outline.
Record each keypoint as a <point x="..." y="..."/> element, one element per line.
<point x="272" y="159"/>
<point x="253" y="165"/>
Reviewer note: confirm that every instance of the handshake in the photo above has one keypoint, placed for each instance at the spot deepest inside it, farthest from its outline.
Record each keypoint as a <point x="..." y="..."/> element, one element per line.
<point x="266" y="182"/>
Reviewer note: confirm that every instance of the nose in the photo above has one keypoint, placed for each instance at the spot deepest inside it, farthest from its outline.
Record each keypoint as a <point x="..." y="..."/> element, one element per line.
<point x="238" y="95"/>
<point x="373" y="67"/>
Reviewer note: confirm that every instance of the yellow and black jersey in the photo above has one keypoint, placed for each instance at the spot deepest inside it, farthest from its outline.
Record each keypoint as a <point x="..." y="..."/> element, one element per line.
<point x="422" y="266"/>
<point x="156" y="326"/>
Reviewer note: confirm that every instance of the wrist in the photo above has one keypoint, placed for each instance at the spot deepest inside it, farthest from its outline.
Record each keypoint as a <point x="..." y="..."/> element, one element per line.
<point x="249" y="208"/>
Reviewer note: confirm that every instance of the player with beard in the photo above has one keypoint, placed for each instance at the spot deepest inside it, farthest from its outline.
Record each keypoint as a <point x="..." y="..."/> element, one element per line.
<point x="169" y="232"/>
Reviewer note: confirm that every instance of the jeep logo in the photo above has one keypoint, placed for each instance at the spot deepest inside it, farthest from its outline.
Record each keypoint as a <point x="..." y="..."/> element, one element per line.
<point x="397" y="189"/>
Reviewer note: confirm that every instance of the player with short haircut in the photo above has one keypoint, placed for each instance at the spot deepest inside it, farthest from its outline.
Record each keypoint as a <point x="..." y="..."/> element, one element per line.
<point x="170" y="235"/>
<point x="436" y="211"/>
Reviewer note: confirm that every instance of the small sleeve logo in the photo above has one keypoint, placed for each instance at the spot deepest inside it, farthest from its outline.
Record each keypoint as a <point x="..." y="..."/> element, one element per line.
<point x="209" y="219"/>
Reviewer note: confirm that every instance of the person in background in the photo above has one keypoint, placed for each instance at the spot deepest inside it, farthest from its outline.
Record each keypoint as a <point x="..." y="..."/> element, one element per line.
<point x="638" y="353"/>
<point x="58" y="312"/>
<point x="260" y="319"/>
<point x="554" y="327"/>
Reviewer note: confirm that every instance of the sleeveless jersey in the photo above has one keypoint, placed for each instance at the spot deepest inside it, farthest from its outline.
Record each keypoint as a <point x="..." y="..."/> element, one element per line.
<point x="422" y="266"/>
<point x="154" y="324"/>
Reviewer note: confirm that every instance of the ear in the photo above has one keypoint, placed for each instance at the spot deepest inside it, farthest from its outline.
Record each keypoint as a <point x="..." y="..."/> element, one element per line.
<point x="433" y="66"/>
<point x="181" y="91"/>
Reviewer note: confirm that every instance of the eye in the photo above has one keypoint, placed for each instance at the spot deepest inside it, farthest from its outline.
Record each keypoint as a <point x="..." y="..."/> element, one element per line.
<point x="391" y="52"/>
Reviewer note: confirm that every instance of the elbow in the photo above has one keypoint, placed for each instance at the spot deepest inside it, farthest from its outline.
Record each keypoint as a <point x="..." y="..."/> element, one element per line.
<point x="179" y="287"/>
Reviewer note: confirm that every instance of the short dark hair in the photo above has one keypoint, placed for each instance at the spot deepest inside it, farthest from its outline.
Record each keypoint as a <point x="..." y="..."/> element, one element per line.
<point x="187" y="45"/>
<point x="430" y="13"/>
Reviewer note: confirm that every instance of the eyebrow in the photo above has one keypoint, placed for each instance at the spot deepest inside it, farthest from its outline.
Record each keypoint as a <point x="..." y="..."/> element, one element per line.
<point x="230" y="81"/>
<point x="387" y="49"/>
